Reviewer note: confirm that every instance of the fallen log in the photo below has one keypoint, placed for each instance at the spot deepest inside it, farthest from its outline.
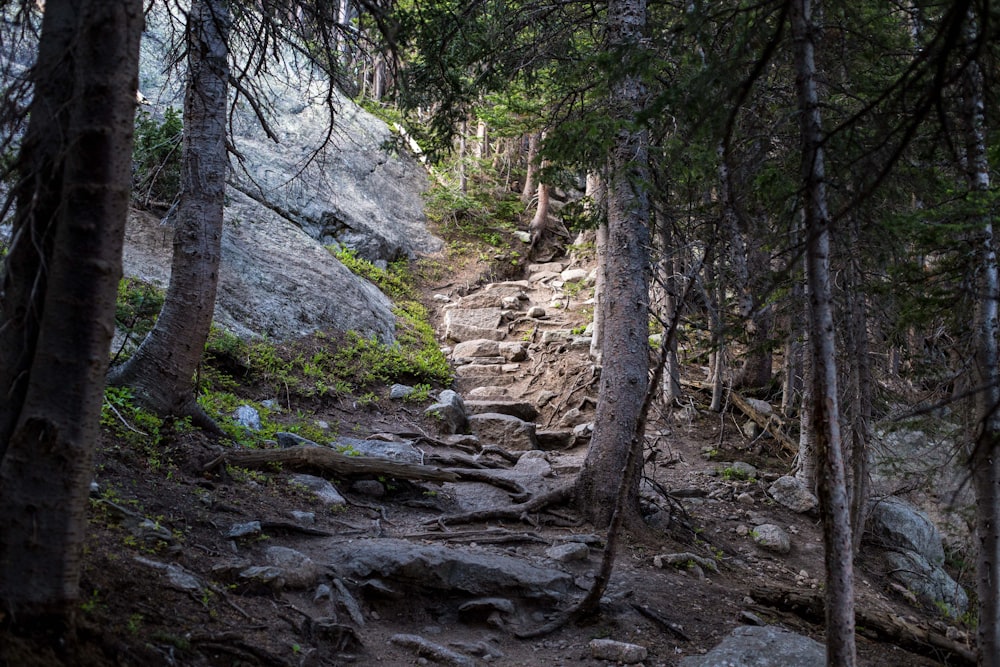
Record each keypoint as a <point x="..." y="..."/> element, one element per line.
<point x="770" y="422"/>
<point x="877" y="624"/>
<point x="305" y="457"/>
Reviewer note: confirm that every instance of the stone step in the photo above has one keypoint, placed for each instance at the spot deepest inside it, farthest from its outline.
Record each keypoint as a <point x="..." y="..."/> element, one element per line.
<point x="520" y="409"/>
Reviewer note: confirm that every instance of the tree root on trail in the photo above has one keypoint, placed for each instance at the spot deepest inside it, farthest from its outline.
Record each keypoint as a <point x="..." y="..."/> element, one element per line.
<point x="518" y="512"/>
<point x="326" y="460"/>
<point x="330" y="461"/>
<point x="488" y="536"/>
<point x="518" y="493"/>
<point x="878" y="624"/>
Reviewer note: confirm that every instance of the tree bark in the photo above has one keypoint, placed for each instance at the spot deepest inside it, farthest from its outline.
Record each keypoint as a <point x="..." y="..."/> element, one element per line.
<point x="834" y="505"/>
<point x="596" y="198"/>
<point x="626" y="327"/>
<point x="530" y="176"/>
<point x="80" y="135"/>
<point x="161" y="372"/>
<point x="984" y="458"/>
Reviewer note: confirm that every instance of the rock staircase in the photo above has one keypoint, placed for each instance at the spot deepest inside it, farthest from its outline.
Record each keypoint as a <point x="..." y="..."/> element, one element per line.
<point x="521" y="351"/>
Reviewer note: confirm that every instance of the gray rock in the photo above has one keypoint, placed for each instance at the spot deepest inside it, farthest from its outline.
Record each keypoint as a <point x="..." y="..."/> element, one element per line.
<point x="897" y="525"/>
<point x="436" y="567"/>
<point x="299" y="571"/>
<point x="382" y="449"/>
<point x="400" y="391"/>
<point x="772" y="538"/>
<point x="555" y="439"/>
<point x="514" y="350"/>
<point x="450" y="410"/>
<point x="929" y="582"/>
<point x="505" y="431"/>
<point x="571" y="275"/>
<point x="247" y="417"/>
<point x="769" y="646"/>
<point x="480" y="347"/>
<point x="569" y="551"/>
<point x="520" y="409"/>
<point x="574" y="417"/>
<point x="304" y="518"/>
<point x="325" y="492"/>
<point x="464" y="324"/>
<point x="793" y="494"/>
<point x="243" y="529"/>
<point x="177" y="576"/>
<point x="274" y="280"/>
<point x="355" y="193"/>
<point x="621" y="652"/>
<point x="550" y="267"/>
<point x="536" y="312"/>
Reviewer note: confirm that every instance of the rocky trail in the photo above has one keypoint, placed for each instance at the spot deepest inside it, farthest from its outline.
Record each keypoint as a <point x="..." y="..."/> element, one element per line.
<point x="418" y="541"/>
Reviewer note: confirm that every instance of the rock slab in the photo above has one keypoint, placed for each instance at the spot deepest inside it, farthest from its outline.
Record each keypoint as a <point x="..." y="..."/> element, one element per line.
<point x="768" y="646"/>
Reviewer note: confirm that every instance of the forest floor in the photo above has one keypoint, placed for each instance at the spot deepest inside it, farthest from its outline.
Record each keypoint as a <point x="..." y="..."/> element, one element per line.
<point x="135" y="611"/>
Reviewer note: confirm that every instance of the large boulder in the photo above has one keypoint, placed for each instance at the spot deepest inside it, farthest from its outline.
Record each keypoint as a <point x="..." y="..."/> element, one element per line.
<point x="929" y="582"/>
<point x="897" y="525"/>
<point x="344" y="186"/>
<point x="274" y="281"/>
<point x="404" y="565"/>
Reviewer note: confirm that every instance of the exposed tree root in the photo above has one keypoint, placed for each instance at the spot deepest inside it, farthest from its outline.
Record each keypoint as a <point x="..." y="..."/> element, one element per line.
<point x="518" y="512"/>
<point x="326" y="460"/>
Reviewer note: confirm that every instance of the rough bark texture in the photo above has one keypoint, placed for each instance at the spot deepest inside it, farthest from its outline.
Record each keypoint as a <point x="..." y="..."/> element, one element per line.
<point x="162" y="370"/>
<point x="834" y="505"/>
<point x="985" y="460"/>
<point x="626" y="310"/>
<point x="87" y="75"/>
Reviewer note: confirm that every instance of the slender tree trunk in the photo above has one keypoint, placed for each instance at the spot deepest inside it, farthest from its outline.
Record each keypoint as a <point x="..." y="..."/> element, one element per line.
<point x="596" y="197"/>
<point x="482" y="140"/>
<point x="161" y="372"/>
<point x="984" y="460"/>
<point x="80" y="135"/>
<point x="834" y="505"/>
<point x="538" y="228"/>
<point x="860" y="389"/>
<point x="665" y="291"/>
<point x="531" y="175"/>
<point x="463" y="179"/>
<point x="626" y="327"/>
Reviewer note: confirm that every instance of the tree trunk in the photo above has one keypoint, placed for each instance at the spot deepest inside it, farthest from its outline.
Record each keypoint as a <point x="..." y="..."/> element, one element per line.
<point x="834" y="505"/>
<point x="539" y="226"/>
<point x="668" y="288"/>
<point x="597" y="205"/>
<point x="463" y="179"/>
<point x="482" y="140"/>
<point x="600" y="288"/>
<point x="626" y="327"/>
<point x="531" y="175"/>
<point x="161" y="372"/>
<point x="860" y="388"/>
<point x="80" y="135"/>
<point x="984" y="460"/>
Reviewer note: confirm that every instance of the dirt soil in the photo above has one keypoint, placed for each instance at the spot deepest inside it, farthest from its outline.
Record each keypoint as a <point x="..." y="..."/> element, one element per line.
<point x="134" y="613"/>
